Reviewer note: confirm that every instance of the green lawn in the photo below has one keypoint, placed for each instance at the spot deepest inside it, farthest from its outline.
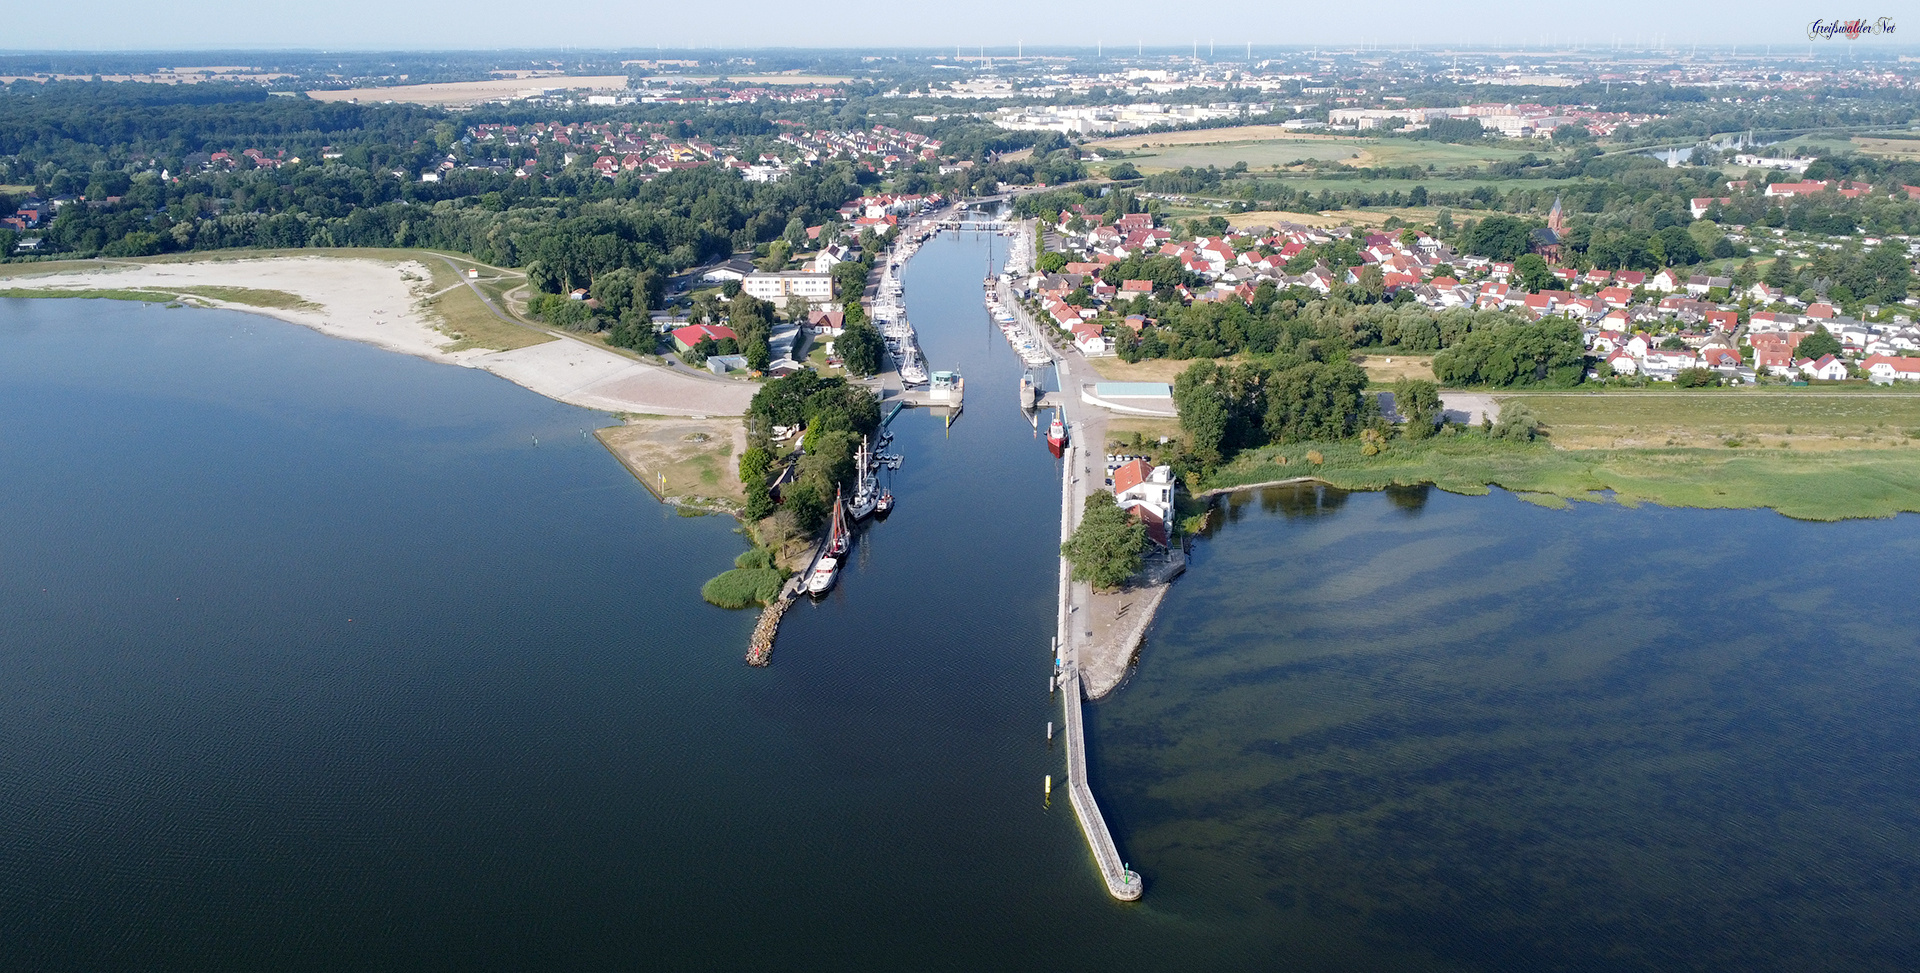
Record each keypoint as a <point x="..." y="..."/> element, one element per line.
<point x="1828" y="485"/>
<point x="1859" y="417"/>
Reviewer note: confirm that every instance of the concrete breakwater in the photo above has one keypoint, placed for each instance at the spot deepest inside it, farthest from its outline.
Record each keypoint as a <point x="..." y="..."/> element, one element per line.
<point x="1122" y="883"/>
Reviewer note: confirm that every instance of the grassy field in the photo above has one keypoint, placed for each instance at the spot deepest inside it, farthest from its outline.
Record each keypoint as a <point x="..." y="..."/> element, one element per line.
<point x="1147" y="370"/>
<point x="1799" y="420"/>
<point x="686" y="458"/>
<point x="1385" y="369"/>
<point x="1121" y="429"/>
<point x="1829" y="485"/>
<point x="1257" y="155"/>
<point x="464" y="317"/>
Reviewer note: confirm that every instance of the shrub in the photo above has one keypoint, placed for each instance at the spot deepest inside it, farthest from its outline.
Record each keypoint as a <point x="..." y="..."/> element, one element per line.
<point x="741" y="587"/>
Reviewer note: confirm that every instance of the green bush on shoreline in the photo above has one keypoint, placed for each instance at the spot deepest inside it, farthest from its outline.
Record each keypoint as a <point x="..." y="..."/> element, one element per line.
<point x="743" y="587"/>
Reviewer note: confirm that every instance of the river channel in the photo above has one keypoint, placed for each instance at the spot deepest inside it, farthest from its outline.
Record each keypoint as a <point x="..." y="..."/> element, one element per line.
<point x="320" y="658"/>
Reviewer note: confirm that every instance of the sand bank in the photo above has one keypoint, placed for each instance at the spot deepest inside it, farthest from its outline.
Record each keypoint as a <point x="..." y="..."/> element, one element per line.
<point x="378" y="302"/>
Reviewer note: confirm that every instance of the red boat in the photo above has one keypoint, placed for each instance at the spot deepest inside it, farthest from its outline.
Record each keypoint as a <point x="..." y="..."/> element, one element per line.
<point x="1057" y="433"/>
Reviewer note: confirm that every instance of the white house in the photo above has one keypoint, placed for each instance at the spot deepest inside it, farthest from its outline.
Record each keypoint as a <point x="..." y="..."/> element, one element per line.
<point x="1091" y="338"/>
<point x="1827" y="369"/>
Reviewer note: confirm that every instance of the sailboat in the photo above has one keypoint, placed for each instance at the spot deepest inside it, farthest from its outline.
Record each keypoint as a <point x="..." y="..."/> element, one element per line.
<point x="866" y="495"/>
<point x="839" y="539"/>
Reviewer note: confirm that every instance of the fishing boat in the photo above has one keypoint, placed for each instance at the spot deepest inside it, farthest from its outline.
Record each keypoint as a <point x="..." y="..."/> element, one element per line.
<point x="1057" y="432"/>
<point x="884" y="505"/>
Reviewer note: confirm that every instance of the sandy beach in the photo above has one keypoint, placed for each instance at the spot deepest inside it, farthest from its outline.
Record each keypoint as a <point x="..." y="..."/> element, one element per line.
<point x="378" y="302"/>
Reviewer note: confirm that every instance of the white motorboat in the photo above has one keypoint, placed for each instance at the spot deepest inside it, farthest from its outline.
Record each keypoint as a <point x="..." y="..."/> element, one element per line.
<point x="825" y="572"/>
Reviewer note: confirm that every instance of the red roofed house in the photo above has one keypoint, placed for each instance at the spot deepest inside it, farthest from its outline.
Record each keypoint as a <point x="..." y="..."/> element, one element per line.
<point x="1721" y="358"/>
<point x="1146" y="492"/>
<point x="1887" y="368"/>
<point x="685" y="338"/>
<point x="1701" y="204"/>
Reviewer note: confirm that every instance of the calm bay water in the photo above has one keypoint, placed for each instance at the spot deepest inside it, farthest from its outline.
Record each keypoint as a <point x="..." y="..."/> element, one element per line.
<point x="314" y="660"/>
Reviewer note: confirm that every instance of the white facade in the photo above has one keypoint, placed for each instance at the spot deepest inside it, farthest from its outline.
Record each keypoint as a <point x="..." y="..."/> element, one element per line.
<point x="779" y="287"/>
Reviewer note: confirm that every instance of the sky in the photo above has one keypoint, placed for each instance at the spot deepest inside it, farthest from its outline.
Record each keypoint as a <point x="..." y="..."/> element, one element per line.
<point x="999" y="24"/>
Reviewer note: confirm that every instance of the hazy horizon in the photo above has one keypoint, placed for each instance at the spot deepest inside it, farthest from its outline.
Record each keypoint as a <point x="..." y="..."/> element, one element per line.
<point x="122" y="26"/>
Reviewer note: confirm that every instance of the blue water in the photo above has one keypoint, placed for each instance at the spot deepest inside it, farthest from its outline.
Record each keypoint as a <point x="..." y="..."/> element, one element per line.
<point x="314" y="660"/>
<point x="1416" y="730"/>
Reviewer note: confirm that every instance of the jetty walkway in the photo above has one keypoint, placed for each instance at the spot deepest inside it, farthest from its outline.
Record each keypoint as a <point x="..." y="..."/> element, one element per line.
<point x="1122" y="883"/>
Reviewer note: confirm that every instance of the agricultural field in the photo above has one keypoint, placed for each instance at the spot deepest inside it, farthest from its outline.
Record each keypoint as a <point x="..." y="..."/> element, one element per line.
<point x="1809" y="419"/>
<point x="1259" y="148"/>
<point x="758" y="79"/>
<point x="1413" y="215"/>
<point x="1906" y="150"/>
<point x="467" y="92"/>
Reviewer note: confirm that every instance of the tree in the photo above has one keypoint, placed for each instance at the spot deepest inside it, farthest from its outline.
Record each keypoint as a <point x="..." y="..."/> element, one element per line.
<point x="1780" y="272"/>
<point x="1105" y="549"/>
<point x="797" y="308"/>
<point x="1124" y="170"/>
<point x="1317" y="400"/>
<point x="776" y="259"/>
<point x="1548" y="352"/>
<point x="1817" y="344"/>
<point x="860" y="348"/>
<point x="1533" y="272"/>
<point x="850" y="280"/>
<point x="1419" y="401"/>
<point x="1499" y="237"/>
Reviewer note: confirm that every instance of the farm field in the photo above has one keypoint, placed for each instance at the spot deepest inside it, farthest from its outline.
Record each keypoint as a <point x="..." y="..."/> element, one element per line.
<point x="1336" y="217"/>
<point x="1907" y="150"/>
<point x="1225" y="146"/>
<point x="795" y="79"/>
<point x="467" y="92"/>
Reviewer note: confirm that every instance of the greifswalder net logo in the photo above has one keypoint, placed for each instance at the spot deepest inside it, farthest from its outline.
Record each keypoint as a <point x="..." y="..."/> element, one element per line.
<point x="1852" y="30"/>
